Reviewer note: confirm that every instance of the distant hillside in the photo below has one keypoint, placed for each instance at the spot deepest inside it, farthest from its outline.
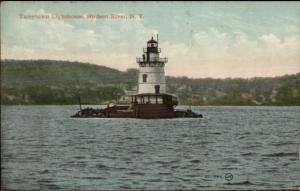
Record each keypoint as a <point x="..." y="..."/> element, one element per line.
<point x="284" y="90"/>
<point x="60" y="82"/>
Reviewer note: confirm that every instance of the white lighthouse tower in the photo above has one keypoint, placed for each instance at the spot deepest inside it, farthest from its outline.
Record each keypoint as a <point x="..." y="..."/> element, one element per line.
<point x="152" y="70"/>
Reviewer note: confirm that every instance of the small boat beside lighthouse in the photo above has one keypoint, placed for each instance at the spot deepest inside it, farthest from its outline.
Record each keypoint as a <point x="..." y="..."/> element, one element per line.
<point x="151" y="99"/>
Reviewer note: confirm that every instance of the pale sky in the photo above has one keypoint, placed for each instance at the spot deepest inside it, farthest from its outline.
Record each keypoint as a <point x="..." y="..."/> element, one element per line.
<point x="200" y="39"/>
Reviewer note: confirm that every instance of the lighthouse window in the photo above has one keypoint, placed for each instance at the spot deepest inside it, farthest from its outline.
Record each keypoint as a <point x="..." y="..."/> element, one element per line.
<point x="152" y="45"/>
<point x="144" y="77"/>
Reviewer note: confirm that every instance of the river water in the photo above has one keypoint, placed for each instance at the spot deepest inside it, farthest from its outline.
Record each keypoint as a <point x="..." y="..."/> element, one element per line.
<point x="230" y="148"/>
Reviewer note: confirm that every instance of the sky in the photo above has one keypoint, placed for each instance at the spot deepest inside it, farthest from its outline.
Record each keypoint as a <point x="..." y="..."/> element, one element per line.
<point x="200" y="39"/>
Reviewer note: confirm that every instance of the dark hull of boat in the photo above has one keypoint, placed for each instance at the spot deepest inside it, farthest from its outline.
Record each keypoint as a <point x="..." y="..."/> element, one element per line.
<point x="145" y="111"/>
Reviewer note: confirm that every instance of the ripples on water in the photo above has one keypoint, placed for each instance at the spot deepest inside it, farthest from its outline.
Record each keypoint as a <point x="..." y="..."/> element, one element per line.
<point x="43" y="148"/>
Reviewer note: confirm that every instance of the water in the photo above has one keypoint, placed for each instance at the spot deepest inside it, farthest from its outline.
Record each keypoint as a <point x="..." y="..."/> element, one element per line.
<point x="44" y="149"/>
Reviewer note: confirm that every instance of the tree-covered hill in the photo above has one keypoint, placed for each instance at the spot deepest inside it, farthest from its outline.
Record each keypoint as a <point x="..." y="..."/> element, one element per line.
<point x="283" y="90"/>
<point x="60" y="82"/>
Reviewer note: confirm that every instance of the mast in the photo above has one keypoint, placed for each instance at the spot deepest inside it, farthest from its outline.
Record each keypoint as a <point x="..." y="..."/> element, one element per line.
<point x="79" y="100"/>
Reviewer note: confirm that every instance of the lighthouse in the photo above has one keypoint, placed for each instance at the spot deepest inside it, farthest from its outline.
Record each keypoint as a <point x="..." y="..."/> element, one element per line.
<point x="151" y="101"/>
<point x="151" y="70"/>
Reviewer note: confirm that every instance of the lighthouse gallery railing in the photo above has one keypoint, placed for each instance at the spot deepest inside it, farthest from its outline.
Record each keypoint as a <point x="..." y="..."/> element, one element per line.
<point x="151" y="60"/>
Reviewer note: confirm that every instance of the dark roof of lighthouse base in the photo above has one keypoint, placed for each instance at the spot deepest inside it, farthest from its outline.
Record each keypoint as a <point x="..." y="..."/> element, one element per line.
<point x="154" y="94"/>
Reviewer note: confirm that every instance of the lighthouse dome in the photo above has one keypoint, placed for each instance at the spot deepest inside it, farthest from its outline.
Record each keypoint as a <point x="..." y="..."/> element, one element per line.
<point x="152" y="41"/>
